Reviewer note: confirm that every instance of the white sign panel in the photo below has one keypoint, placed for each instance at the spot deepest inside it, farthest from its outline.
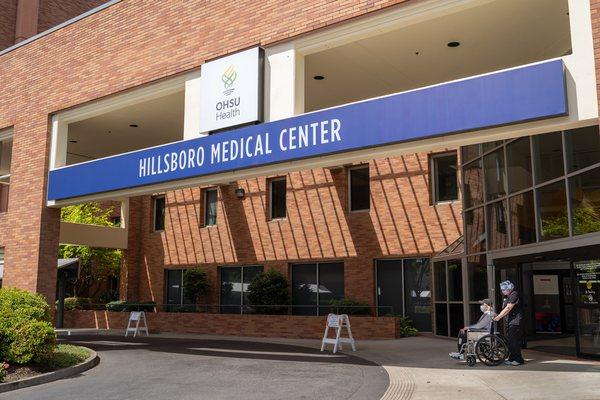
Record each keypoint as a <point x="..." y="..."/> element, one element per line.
<point x="545" y="284"/>
<point x="231" y="90"/>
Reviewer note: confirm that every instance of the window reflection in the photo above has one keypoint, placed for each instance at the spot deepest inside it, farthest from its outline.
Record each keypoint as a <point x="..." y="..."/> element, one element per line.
<point x="522" y="219"/>
<point x="584" y="191"/>
<point x="497" y="225"/>
<point x="518" y="154"/>
<point x="475" y="230"/>
<point x="495" y="174"/>
<point x="552" y="207"/>
<point x="473" y="178"/>
<point x="477" y="271"/>
<point x="582" y="147"/>
<point x="548" y="156"/>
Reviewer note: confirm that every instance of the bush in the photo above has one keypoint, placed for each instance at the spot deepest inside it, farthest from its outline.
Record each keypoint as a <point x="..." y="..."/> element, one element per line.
<point x="77" y="303"/>
<point x="127" y="306"/>
<point x="269" y="289"/>
<point x="350" y="307"/>
<point x="195" y="283"/>
<point x="405" y="327"/>
<point x="26" y="332"/>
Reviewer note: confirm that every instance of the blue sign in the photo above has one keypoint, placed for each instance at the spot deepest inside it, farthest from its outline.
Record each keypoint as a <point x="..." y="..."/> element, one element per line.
<point x="508" y="97"/>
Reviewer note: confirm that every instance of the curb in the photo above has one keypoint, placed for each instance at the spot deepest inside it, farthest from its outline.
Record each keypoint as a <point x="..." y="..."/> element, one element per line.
<point x="62" y="373"/>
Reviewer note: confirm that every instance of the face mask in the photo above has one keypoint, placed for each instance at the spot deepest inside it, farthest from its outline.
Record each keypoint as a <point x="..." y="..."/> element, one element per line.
<point x="483" y="308"/>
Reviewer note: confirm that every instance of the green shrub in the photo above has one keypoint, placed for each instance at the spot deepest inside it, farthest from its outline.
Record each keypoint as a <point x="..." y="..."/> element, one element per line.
<point x="127" y="306"/>
<point x="269" y="289"/>
<point x="77" y="303"/>
<point x="405" y="327"/>
<point x="26" y="332"/>
<point x="350" y="307"/>
<point x="195" y="283"/>
<point x="66" y="355"/>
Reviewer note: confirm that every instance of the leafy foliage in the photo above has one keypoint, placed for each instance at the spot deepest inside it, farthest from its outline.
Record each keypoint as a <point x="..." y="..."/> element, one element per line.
<point x="585" y="220"/>
<point x="26" y="332"/>
<point x="405" y="327"/>
<point x="77" y="303"/>
<point x="195" y="283"/>
<point x="269" y="289"/>
<point x="349" y="307"/>
<point x="127" y="306"/>
<point x="66" y="355"/>
<point x="97" y="264"/>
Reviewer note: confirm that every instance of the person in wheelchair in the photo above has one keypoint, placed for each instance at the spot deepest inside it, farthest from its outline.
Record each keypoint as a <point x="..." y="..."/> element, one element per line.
<point x="484" y="324"/>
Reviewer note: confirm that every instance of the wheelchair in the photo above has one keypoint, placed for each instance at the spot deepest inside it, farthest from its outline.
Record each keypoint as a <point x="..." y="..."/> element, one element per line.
<point x="489" y="347"/>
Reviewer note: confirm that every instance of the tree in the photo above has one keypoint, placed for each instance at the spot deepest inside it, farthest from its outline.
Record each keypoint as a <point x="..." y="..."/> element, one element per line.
<point x="96" y="264"/>
<point x="195" y="283"/>
<point x="269" y="289"/>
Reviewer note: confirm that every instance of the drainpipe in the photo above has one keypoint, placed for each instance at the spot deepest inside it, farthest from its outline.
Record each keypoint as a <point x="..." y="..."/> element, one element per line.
<point x="27" y="19"/>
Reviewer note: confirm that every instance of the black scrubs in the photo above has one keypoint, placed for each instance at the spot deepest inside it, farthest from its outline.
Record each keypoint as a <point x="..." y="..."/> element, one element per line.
<point x="514" y="321"/>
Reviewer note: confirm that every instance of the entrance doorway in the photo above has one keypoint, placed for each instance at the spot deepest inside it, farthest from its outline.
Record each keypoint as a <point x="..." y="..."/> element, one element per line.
<point x="561" y="303"/>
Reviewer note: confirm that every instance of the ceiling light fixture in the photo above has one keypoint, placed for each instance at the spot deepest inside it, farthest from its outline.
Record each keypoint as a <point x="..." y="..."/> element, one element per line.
<point x="318" y="77"/>
<point x="453" y="44"/>
<point x="133" y="125"/>
<point x="72" y="141"/>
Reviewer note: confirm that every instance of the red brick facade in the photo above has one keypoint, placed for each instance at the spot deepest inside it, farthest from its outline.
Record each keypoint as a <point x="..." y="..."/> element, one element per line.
<point x="319" y="226"/>
<point x="293" y="327"/>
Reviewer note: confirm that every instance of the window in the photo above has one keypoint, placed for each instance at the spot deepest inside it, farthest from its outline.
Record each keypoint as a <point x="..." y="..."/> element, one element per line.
<point x="473" y="178"/>
<point x="177" y="301"/>
<point x="518" y="154"/>
<point x="474" y="231"/>
<point x="495" y="175"/>
<point x="159" y="213"/>
<point x="358" y="184"/>
<point x="5" y="161"/>
<point x="315" y="285"/>
<point x="1" y="265"/>
<point x="449" y="317"/>
<point x="582" y="147"/>
<point x="210" y="207"/>
<point x="404" y="288"/>
<point x="584" y="191"/>
<point x="497" y="225"/>
<point x="277" y="197"/>
<point x="552" y="206"/>
<point x="522" y="219"/>
<point x="548" y="156"/>
<point x="234" y="288"/>
<point x="444" y="177"/>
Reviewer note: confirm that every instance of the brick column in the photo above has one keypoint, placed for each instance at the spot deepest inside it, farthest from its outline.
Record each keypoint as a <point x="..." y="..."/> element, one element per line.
<point x="130" y="271"/>
<point x="27" y="19"/>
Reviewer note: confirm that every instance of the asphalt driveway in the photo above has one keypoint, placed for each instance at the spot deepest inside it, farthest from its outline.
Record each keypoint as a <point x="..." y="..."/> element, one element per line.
<point x="164" y="368"/>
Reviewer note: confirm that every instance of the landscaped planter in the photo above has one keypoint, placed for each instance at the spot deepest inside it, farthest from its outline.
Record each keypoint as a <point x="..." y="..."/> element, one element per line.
<point x="284" y="326"/>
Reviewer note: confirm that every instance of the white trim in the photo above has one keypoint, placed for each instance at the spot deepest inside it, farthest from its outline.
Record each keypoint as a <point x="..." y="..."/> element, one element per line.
<point x="59" y="26"/>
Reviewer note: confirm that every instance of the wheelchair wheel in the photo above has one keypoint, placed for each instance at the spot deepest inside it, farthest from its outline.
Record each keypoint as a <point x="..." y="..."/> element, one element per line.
<point x="491" y="350"/>
<point x="471" y="360"/>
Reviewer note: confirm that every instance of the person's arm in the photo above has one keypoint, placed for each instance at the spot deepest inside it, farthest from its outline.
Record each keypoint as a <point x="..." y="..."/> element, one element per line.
<point x="505" y="311"/>
<point x="483" y="323"/>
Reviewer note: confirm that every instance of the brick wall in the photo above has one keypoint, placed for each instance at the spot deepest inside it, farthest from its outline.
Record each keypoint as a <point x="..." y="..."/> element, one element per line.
<point x="284" y="326"/>
<point x="54" y="12"/>
<point x="318" y="227"/>
<point x="91" y="59"/>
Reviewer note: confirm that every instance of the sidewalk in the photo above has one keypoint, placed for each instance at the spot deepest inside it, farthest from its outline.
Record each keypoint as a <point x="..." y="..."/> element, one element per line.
<point x="419" y="368"/>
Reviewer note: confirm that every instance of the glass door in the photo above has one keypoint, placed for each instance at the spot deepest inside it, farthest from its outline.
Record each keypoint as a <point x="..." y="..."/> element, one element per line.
<point x="587" y="304"/>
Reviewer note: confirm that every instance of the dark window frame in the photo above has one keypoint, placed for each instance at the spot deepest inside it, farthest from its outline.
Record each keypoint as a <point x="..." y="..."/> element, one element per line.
<point x="270" y="182"/>
<point x="154" y="211"/>
<point x="433" y="176"/>
<point x="317" y="264"/>
<point x="349" y="183"/>
<point x="242" y="268"/>
<point x="205" y="216"/>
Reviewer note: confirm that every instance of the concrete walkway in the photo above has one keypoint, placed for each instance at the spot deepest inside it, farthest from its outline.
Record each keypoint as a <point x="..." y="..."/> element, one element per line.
<point x="419" y="368"/>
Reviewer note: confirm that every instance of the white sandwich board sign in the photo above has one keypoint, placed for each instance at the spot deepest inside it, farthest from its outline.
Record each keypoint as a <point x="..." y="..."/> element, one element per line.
<point x="338" y="323"/>
<point x="137" y="323"/>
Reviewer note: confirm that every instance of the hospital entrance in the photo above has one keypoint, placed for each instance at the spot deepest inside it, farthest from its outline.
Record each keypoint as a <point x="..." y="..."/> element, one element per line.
<point x="560" y="297"/>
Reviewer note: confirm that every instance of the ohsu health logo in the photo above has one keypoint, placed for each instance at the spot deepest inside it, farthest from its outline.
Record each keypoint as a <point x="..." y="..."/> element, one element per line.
<point x="228" y="78"/>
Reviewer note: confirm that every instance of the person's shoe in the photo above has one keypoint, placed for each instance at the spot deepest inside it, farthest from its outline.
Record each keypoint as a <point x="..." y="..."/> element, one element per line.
<point x="515" y="363"/>
<point x="455" y="355"/>
<point x="508" y="362"/>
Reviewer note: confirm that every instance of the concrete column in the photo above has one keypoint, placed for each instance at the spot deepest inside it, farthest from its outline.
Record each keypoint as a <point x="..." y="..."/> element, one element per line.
<point x="284" y="82"/>
<point x="27" y="19"/>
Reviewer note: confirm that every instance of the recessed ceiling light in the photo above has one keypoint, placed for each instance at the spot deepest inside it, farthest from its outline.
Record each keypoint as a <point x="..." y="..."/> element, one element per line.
<point x="133" y="125"/>
<point x="72" y="141"/>
<point x="453" y="44"/>
<point x="318" y="77"/>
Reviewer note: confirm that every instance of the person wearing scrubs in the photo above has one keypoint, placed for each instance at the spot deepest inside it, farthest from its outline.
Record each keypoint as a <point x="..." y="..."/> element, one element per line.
<point x="512" y="310"/>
